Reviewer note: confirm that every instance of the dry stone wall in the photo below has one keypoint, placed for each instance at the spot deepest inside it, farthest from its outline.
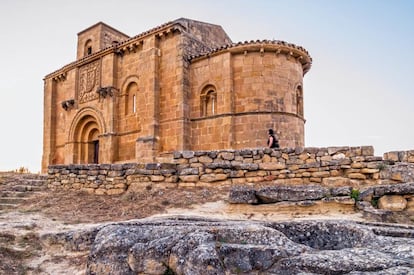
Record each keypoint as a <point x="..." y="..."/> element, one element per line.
<point x="400" y="156"/>
<point x="331" y="166"/>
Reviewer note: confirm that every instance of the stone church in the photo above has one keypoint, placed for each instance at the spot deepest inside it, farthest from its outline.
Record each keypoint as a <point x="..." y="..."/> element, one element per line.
<point x="183" y="85"/>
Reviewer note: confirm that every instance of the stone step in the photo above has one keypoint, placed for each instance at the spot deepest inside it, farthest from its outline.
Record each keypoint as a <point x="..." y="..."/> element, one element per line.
<point x="12" y="200"/>
<point x="7" y="206"/>
<point x="8" y="193"/>
<point x="26" y="188"/>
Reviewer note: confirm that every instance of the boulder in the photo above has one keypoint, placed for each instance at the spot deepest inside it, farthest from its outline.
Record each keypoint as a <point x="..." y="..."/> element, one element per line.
<point x="392" y="203"/>
<point x="188" y="245"/>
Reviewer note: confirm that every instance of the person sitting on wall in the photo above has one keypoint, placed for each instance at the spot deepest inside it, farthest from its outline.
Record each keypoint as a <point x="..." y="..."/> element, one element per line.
<point x="272" y="141"/>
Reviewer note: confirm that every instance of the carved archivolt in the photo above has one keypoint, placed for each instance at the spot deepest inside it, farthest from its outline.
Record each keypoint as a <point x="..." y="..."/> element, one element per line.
<point x="89" y="79"/>
<point x="79" y="118"/>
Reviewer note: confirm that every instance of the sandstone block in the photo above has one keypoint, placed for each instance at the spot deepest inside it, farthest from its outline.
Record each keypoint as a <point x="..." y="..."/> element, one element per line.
<point x="321" y="174"/>
<point x="157" y="178"/>
<point x="189" y="178"/>
<point x="272" y="166"/>
<point x="337" y="181"/>
<point x="205" y="159"/>
<point x="338" y="156"/>
<point x="396" y="176"/>
<point x="120" y="186"/>
<point x="88" y="190"/>
<point x="213" y="177"/>
<point x="357" y="165"/>
<point x="100" y="191"/>
<point x="356" y="176"/>
<point x="367" y="150"/>
<point x="394" y="156"/>
<point x="115" y="191"/>
<point x="227" y="155"/>
<point x="392" y="203"/>
<point x="369" y="171"/>
<point x="186" y="184"/>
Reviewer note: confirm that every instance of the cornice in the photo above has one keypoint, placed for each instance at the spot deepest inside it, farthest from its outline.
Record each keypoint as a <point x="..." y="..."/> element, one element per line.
<point x="276" y="46"/>
<point x="126" y="46"/>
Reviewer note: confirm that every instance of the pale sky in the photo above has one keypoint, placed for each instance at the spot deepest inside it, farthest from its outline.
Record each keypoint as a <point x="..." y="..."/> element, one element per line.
<point x="358" y="91"/>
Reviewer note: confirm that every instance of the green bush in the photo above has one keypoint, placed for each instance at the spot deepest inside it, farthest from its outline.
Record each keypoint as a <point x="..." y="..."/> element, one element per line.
<point x="355" y="194"/>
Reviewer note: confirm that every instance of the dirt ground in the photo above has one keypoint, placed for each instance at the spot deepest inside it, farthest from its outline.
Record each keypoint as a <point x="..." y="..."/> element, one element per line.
<point x="54" y="211"/>
<point x="81" y="207"/>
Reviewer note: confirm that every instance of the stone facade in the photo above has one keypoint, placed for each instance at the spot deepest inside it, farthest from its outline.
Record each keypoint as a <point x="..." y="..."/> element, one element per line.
<point x="180" y="86"/>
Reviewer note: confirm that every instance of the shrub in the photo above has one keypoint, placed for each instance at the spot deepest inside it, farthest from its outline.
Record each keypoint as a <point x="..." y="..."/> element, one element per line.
<point x="355" y="194"/>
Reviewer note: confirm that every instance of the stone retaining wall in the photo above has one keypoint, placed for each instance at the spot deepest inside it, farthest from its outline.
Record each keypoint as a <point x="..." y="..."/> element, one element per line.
<point x="331" y="166"/>
<point x="400" y="156"/>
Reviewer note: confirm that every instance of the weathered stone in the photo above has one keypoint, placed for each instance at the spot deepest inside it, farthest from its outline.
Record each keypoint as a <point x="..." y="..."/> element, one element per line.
<point x="396" y="176"/>
<point x="242" y="194"/>
<point x="394" y="189"/>
<point x="189" y="178"/>
<point x="115" y="191"/>
<point x="392" y="203"/>
<point x="367" y="150"/>
<point x="198" y="246"/>
<point x="291" y="193"/>
<point x="338" y="156"/>
<point x="341" y="191"/>
<point x="320" y="174"/>
<point x="205" y="159"/>
<point x="188" y="171"/>
<point x="188" y="154"/>
<point x="227" y="155"/>
<point x="272" y="166"/>
<point x="334" y="150"/>
<point x="213" y="177"/>
<point x="356" y="176"/>
<point x="394" y="156"/>
<point x="369" y="171"/>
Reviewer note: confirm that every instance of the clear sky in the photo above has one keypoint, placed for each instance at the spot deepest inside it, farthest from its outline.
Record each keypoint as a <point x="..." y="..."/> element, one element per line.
<point x="359" y="90"/>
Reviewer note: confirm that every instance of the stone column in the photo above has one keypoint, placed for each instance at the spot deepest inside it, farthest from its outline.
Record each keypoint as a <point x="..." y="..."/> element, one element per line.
<point x="49" y="118"/>
<point x="107" y="148"/>
<point x="147" y="145"/>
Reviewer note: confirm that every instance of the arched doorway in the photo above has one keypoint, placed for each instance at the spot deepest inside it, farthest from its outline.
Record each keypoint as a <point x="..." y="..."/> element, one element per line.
<point x="87" y="140"/>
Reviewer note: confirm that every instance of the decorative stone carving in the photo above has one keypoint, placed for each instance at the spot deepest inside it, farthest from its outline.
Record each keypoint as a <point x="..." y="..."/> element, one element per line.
<point x="68" y="104"/>
<point x="60" y="77"/>
<point x="89" y="80"/>
<point x="103" y="92"/>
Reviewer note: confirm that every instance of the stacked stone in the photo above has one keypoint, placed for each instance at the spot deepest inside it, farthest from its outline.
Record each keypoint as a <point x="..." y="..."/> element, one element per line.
<point x="289" y="166"/>
<point x="110" y="179"/>
<point x="331" y="166"/>
<point x="400" y="156"/>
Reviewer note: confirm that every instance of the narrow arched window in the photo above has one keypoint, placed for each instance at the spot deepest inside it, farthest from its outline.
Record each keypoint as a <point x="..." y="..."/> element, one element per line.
<point x="88" y="48"/>
<point x="299" y="100"/>
<point x="208" y="104"/>
<point x="131" y="98"/>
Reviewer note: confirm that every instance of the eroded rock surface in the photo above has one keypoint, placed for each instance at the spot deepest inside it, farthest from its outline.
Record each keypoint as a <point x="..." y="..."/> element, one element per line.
<point x="200" y="246"/>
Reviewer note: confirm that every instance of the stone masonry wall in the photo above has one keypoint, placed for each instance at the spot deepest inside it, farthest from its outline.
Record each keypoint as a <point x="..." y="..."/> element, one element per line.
<point x="332" y="166"/>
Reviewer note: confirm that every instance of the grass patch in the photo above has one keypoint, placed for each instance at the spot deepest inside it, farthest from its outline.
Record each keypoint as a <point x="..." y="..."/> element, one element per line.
<point x="382" y="166"/>
<point x="355" y="194"/>
<point x="374" y="202"/>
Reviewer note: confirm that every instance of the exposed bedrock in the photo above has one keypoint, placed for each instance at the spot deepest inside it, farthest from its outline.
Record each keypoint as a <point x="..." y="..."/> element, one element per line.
<point x="200" y="246"/>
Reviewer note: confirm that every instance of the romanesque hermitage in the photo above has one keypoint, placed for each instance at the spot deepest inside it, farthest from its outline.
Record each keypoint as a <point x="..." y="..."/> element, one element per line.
<point x="183" y="85"/>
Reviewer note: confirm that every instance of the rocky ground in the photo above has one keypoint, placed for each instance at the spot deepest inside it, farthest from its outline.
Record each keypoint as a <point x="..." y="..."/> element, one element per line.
<point x="54" y="232"/>
<point x="39" y="211"/>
